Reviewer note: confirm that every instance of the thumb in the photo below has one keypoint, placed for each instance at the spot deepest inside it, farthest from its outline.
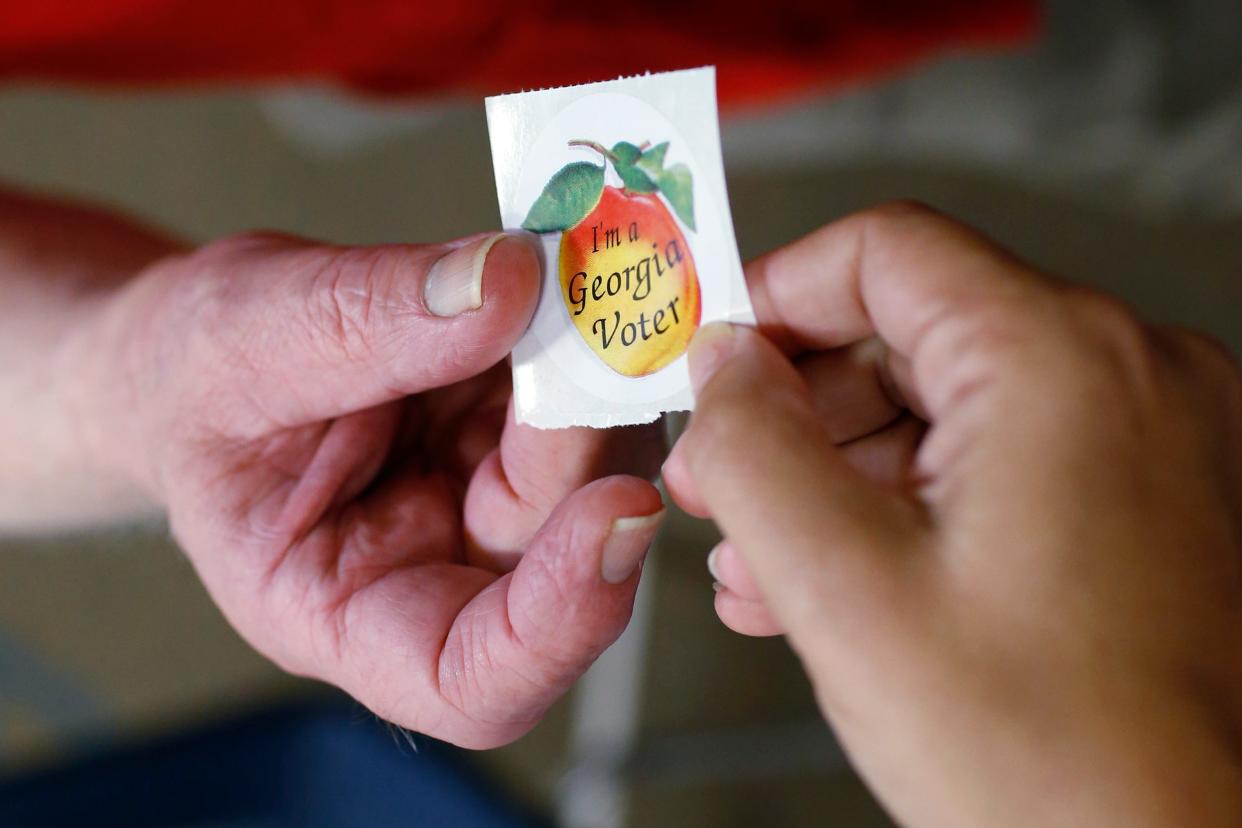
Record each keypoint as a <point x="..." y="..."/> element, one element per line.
<point x="820" y="539"/>
<point x="322" y="331"/>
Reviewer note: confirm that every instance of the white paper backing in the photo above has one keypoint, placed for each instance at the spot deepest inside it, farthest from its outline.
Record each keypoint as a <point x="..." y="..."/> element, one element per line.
<point x="557" y="380"/>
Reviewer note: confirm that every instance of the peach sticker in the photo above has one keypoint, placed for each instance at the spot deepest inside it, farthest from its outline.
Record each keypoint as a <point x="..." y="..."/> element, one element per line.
<point x="622" y="182"/>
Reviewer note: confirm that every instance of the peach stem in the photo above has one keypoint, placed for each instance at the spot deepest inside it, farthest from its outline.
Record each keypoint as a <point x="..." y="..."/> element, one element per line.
<point x="595" y="145"/>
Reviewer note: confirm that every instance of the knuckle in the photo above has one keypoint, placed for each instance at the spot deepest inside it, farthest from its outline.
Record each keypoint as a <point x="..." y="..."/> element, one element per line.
<point x="196" y="304"/>
<point x="1111" y="340"/>
<point x="550" y="585"/>
<point x="1210" y="351"/>
<point x="344" y="303"/>
<point x="975" y="345"/>
<point x="1206" y="359"/>
<point x="986" y="331"/>
<point x="214" y="276"/>
<point x="242" y="245"/>
<point x="995" y="326"/>
<point x="904" y="209"/>
<point x="547" y="650"/>
<point x="892" y="220"/>
<point x="1109" y="316"/>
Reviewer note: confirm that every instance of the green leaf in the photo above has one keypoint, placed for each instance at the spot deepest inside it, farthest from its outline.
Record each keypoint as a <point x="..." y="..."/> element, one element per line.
<point x="677" y="187"/>
<point x="625" y="153"/>
<point x="624" y="156"/>
<point x="567" y="198"/>
<point x="652" y="161"/>
<point x="635" y="179"/>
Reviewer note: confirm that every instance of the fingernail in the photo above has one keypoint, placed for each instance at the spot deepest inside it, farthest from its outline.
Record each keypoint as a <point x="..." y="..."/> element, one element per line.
<point x="628" y="541"/>
<point x="709" y="349"/>
<point x="712" y="566"/>
<point x="455" y="282"/>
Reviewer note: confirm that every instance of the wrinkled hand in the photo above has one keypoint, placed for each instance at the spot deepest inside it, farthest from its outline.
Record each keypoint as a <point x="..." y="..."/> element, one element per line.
<point x="329" y="430"/>
<point x="999" y="519"/>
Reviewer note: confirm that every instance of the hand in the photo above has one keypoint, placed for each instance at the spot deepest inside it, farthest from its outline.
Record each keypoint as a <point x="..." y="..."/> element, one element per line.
<point x="329" y="430"/>
<point x="999" y="519"/>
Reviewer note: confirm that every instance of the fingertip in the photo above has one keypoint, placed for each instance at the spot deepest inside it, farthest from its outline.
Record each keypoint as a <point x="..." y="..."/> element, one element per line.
<point x="753" y="394"/>
<point x="750" y="618"/>
<point x="710" y="348"/>
<point x="489" y="282"/>
<point x="629" y="539"/>
<point x="520" y="485"/>
<point x="511" y="275"/>
<point x="720" y="345"/>
<point x="572" y="541"/>
<point x="617" y="497"/>
<point x="573" y="590"/>
<point x="728" y="568"/>
<point x="680" y="485"/>
<point x="713" y="567"/>
<point x="603" y="531"/>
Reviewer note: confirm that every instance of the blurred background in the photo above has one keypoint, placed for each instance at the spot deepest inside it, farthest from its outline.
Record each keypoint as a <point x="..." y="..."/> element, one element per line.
<point x="1101" y="140"/>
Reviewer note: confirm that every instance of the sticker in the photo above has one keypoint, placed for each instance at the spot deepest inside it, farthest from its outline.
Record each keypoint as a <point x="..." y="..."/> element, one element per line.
<point x="623" y="183"/>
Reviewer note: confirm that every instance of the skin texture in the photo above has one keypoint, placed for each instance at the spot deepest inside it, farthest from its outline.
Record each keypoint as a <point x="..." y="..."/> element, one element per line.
<point x="997" y="517"/>
<point x="339" y="464"/>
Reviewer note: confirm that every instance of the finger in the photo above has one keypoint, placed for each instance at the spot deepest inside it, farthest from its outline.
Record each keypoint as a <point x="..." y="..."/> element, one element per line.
<point x="518" y="485"/>
<point x="345" y="462"/>
<point x="335" y="602"/>
<point x="920" y="281"/>
<point x="885" y="457"/>
<point x="746" y="617"/>
<point x="852" y="403"/>
<point x="322" y="331"/>
<point x="848" y="390"/>
<point x="681" y="486"/>
<point x="739" y="601"/>
<point x="730" y="571"/>
<point x="817" y="536"/>
<point x="410" y="517"/>
<point x="463" y="422"/>
<point x="518" y="646"/>
<point x="454" y="650"/>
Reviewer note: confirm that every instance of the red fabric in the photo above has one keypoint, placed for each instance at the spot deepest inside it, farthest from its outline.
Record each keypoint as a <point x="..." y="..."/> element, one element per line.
<point x="762" y="48"/>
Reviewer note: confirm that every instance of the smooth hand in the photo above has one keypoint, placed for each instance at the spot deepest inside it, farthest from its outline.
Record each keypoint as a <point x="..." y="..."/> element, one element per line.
<point x="999" y="519"/>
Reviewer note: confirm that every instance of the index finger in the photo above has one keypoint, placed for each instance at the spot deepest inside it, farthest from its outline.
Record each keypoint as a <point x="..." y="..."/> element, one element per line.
<point x="531" y="471"/>
<point x="891" y="271"/>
